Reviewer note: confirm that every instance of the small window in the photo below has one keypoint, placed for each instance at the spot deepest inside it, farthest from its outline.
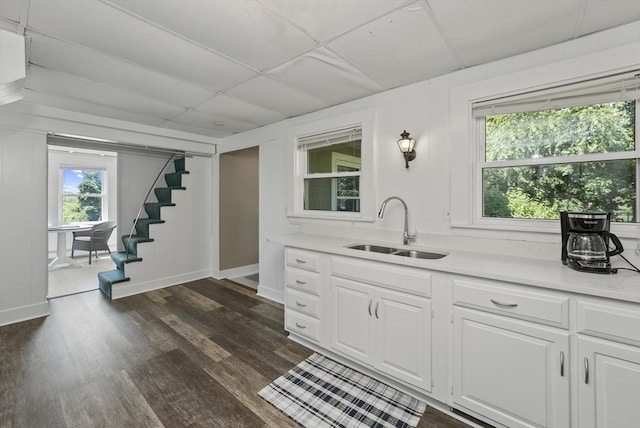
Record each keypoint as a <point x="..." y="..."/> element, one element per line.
<point x="574" y="148"/>
<point x="83" y="195"/>
<point x="332" y="170"/>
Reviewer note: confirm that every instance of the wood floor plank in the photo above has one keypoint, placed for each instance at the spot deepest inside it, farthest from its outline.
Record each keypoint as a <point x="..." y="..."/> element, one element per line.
<point x="195" y="299"/>
<point x="197" y="339"/>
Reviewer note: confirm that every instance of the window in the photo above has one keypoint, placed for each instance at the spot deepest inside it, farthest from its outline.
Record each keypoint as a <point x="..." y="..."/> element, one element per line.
<point x="569" y="148"/>
<point x="332" y="172"/>
<point x="331" y="163"/>
<point x="83" y="194"/>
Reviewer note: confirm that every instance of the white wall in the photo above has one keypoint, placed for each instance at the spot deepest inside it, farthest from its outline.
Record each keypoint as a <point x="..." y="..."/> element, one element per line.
<point x="427" y="110"/>
<point x="23" y="181"/>
<point x="23" y="225"/>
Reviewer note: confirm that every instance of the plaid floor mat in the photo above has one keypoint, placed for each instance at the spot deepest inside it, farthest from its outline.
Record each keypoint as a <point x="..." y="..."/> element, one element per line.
<point x="320" y="392"/>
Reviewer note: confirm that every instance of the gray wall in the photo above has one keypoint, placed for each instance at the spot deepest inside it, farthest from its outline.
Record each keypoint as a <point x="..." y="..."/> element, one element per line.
<point x="239" y="208"/>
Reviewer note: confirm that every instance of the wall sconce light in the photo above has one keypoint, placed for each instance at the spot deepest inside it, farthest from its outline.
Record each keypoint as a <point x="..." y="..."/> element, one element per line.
<point x="406" y="146"/>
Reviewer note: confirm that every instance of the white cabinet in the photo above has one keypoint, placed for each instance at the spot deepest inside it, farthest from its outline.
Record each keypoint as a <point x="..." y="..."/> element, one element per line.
<point x="608" y="371"/>
<point x="303" y="293"/>
<point x="506" y="368"/>
<point x="387" y="329"/>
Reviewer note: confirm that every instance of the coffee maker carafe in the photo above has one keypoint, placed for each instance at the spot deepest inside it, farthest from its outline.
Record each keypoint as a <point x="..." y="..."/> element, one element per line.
<point x="585" y="241"/>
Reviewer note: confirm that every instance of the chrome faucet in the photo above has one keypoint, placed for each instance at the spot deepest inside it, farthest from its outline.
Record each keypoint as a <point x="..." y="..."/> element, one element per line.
<point x="406" y="238"/>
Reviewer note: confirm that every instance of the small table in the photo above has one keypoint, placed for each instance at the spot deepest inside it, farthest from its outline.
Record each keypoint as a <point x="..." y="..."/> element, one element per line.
<point x="61" y="259"/>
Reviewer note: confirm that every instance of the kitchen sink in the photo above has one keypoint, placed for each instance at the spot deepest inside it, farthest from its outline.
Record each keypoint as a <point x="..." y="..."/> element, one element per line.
<point x="373" y="248"/>
<point x="416" y="254"/>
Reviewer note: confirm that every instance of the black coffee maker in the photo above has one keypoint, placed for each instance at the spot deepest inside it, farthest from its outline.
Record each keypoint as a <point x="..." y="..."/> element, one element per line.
<point x="585" y="241"/>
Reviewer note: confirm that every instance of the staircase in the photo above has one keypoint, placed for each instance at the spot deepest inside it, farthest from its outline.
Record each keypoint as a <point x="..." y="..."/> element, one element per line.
<point x="140" y="231"/>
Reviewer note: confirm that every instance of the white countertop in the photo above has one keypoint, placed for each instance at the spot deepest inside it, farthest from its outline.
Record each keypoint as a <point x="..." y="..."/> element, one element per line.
<point x="552" y="274"/>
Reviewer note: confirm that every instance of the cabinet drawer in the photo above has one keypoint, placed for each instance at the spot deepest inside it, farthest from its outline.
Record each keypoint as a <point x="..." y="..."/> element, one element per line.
<point x="303" y="325"/>
<point x="610" y="320"/>
<point x="512" y="300"/>
<point x="303" y="259"/>
<point x="412" y="280"/>
<point x="303" y="280"/>
<point x="303" y="302"/>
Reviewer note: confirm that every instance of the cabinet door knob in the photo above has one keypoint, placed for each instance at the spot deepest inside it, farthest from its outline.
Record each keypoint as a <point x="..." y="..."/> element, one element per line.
<point x="504" y="305"/>
<point x="300" y="325"/>
<point x="586" y="370"/>
<point x="300" y="282"/>
<point x="301" y="261"/>
<point x="302" y="305"/>
<point x="377" y="303"/>
<point x="370" y="308"/>
<point x="562" y="364"/>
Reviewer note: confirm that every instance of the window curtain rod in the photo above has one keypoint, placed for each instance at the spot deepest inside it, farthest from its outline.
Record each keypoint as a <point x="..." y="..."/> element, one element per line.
<point x="115" y="146"/>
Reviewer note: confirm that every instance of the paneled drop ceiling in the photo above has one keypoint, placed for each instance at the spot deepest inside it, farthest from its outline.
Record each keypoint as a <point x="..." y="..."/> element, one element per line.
<point x="219" y="67"/>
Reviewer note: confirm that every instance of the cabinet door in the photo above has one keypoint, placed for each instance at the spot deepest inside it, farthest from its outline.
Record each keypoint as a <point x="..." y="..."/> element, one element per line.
<point x="609" y="384"/>
<point x="402" y="337"/>
<point x="511" y="371"/>
<point x="351" y="312"/>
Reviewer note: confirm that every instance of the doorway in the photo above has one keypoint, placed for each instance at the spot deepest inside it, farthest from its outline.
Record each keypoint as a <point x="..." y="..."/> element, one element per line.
<point x="239" y="215"/>
<point x="82" y="192"/>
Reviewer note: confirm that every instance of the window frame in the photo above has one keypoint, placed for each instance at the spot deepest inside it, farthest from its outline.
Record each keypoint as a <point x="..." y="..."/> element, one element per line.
<point x="298" y="167"/>
<point x="104" y="195"/>
<point x="477" y="138"/>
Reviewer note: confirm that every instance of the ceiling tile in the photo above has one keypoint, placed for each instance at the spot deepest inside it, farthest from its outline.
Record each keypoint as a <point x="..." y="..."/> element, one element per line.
<point x="82" y="106"/>
<point x="600" y="15"/>
<point x="480" y="32"/>
<point x="205" y="121"/>
<point x="223" y="107"/>
<point x="56" y="82"/>
<point x="244" y="30"/>
<point x="102" y="27"/>
<point x="399" y="49"/>
<point x="267" y="93"/>
<point x="11" y="10"/>
<point x="326" y="76"/>
<point x="195" y="130"/>
<point x="327" y="19"/>
<point x="93" y="65"/>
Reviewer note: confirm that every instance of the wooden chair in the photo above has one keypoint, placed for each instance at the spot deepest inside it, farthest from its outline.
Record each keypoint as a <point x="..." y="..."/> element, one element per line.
<point x="96" y="239"/>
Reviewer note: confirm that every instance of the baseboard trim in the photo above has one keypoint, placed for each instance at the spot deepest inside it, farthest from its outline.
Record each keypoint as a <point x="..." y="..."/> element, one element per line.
<point x="236" y="272"/>
<point x="24" y="313"/>
<point x="131" y="288"/>
<point x="271" y="293"/>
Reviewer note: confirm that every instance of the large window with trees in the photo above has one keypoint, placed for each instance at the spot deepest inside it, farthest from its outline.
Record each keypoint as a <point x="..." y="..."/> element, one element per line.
<point x="83" y="194"/>
<point x="569" y="148"/>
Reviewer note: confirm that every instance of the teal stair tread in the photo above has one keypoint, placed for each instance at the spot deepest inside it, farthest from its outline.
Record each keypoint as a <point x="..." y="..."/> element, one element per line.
<point x="123" y="257"/>
<point x="176" y="187"/>
<point x="161" y="204"/>
<point x="150" y="221"/>
<point x="137" y="238"/>
<point x="112" y="276"/>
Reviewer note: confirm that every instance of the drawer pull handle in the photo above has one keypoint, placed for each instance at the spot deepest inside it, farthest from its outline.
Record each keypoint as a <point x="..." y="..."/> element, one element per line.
<point x="300" y="282"/>
<point x="376" y="311"/>
<point x="300" y="325"/>
<point x="370" y="308"/>
<point x="586" y="370"/>
<point x="301" y="261"/>
<point x="504" y="305"/>
<point x="300" y="304"/>
<point x="561" y="364"/>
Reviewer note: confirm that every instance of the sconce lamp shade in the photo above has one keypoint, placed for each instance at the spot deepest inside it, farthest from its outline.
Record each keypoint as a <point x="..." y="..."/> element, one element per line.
<point x="406" y="146"/>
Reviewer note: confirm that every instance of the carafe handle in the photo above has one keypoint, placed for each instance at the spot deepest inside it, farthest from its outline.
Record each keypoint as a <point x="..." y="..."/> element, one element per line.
<point x="619" y="249"/>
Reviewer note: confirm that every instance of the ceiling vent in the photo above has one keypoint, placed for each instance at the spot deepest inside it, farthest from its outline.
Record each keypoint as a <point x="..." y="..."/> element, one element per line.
<point x="13" y="68"/>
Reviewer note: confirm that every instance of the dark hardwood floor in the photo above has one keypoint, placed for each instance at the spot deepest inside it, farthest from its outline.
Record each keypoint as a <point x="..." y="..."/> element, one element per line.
<point x="186" y="356"/>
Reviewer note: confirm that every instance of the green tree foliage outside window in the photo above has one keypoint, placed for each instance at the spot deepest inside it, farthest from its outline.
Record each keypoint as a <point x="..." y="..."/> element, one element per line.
<point x="542" y="187"/>
<point x="82" y="195"/>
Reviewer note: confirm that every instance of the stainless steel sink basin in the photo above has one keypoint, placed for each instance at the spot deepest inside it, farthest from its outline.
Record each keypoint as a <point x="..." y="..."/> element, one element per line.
<point x="419" y="254"/>
<point x="373" y="248"/>
<point x="416" y="254"/>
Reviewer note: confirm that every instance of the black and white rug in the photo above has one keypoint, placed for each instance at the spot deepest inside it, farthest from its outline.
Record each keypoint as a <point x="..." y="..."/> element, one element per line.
<point x="320" y="392"/>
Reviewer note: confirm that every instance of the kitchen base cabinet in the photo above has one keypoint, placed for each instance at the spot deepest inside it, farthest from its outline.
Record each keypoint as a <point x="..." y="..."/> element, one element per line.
<point x="386" y="329"/>
<point x="513" y="372"/>
<point x="609" y="384"/>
